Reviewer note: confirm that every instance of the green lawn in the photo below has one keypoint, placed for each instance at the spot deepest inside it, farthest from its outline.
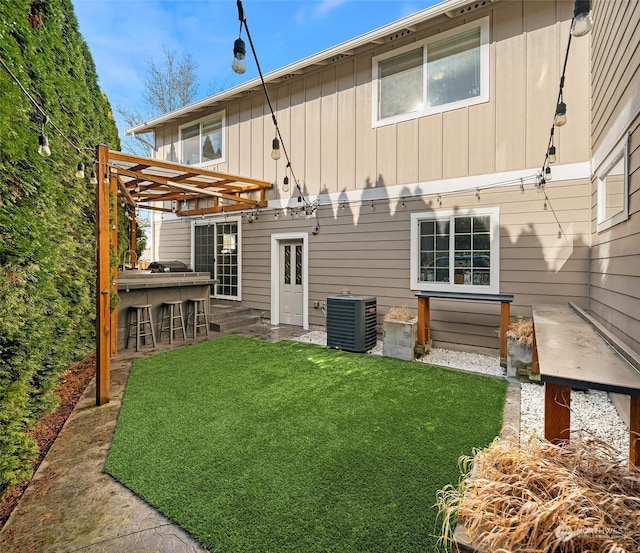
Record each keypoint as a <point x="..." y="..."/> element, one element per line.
<point x="252" y="446"/>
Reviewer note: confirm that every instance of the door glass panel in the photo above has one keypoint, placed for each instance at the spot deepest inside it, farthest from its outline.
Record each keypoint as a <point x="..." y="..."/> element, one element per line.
<point x="287" y="264"/>
<point x="299" y="265"/>
<point x="204" y="249"/>
<point x="227" y="258"/>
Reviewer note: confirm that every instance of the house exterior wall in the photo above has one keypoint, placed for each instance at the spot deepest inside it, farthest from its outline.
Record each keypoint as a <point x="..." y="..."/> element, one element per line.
<point x="326" y="120"/>
<point x="614" y="291"/>
<point x="325" y="114"/>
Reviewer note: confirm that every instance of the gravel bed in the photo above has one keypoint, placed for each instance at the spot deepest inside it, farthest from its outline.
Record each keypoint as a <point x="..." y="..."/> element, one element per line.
<point x="593" y="415"/>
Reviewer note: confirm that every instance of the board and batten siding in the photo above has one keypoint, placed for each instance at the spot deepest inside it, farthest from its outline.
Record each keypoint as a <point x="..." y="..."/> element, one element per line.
<point x="325" y="113"/>
<point x="615" y="88"/>
<point x="367" y="251"/>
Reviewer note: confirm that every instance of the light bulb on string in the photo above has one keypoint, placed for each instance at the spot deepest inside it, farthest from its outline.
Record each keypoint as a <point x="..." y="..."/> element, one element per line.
<point x="477" y="194"/>
<point x="551" y="155"/>
<point x="582" y="21"/>
<point x="561" y="114"/>
<point x="93" y="179"/>
<point x="285" y="184"/>
<point x="547" y="174"/>
<point x="43" y="145"/>
<point x="80" y="171"/>
<point x="239" y="64"/>
<point x="275" y="149"/>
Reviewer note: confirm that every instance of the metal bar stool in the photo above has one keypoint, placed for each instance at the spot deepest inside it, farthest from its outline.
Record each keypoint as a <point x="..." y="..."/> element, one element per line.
<point x="197" y="315"/>
<point x="140" y="318"/>
<point x="169" y="317"/>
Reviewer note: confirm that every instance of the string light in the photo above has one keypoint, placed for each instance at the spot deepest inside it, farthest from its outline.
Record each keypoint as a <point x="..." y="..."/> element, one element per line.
<point x="439" y="200"/>
<point x="547" y="174"/>
<point x="477" y="194"/>
<point x="521" y="187"/>
<point x="80" y="171"/>
<point x="285" y="184"/>
<point x="93" y="179"/>
<point x="372" y="206"/>
<point x="275" y="149"/>
<point x="239" y="51"/>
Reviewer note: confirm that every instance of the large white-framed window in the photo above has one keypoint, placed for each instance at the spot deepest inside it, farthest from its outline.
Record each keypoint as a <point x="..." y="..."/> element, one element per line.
<point x="613" y="187"/>
<point x="443" y="72"/>
<point x="202" y="141"/>
<point x="456" y="250"/>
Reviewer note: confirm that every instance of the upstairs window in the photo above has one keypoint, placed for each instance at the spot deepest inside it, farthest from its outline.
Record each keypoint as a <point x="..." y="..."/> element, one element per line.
<point x="455" y="251"/>
<point x="613" y="187"/>
<point x="202" y="141"/>
<point x="444" y="72"/>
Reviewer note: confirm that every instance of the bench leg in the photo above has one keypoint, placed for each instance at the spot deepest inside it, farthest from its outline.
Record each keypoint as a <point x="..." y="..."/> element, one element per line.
<point x="424" y="323"/>
<point x="505" y="317"/>
<point x="634" y="429"/>
<point x="557" y="412"/>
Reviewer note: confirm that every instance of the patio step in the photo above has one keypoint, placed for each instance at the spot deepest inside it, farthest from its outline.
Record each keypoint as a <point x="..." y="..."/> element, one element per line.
<point x="226" y="318"/>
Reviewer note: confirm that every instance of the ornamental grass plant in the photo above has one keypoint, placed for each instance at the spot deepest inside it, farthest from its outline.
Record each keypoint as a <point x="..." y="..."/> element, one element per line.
<point x="536" y="496"/>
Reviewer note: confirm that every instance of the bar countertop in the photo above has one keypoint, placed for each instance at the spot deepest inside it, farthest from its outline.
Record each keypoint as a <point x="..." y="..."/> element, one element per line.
<point x="140" y="280"/>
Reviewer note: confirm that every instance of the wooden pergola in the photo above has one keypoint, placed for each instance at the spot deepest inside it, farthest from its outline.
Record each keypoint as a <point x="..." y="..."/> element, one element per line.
<point x="145" y="183"/>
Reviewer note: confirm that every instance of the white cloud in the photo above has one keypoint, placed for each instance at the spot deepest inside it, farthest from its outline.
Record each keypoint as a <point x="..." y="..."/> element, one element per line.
<point x="326" y="6"/>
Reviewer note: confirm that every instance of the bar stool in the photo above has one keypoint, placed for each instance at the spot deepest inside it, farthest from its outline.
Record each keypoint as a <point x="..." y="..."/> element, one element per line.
<point x="140" y="318"/>
<point x="169" y="317"/>
<point x="197" y="315"/>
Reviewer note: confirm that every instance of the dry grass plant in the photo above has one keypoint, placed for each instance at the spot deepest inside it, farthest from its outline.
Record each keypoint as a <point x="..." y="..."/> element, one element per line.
<point x="521" y="331"/>
<point x="402" y="314"/>
<point x="537" y="496"/>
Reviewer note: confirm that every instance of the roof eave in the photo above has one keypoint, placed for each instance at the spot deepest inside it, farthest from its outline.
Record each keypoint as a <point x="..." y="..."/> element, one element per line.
<point x="444" y="8"/>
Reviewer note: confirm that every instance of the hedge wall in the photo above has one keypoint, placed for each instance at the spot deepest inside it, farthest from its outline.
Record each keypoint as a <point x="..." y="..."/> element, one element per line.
<point x="47" y="246"/>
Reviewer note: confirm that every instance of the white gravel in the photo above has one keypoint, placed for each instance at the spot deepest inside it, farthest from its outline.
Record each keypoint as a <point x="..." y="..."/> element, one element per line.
<point x="593" y="415"/>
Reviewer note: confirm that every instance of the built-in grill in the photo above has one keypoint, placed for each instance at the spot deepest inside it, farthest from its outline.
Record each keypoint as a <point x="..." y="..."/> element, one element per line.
<point x="168" y="267"/>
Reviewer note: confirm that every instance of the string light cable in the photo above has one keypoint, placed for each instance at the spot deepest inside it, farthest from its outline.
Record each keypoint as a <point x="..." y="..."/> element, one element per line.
<point x="43" y="143"/>
<point x="278" y="141"/>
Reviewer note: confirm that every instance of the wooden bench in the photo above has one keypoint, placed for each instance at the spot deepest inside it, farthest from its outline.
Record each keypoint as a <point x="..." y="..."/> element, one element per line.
<point x="424" y="314"/>
<point x="570" y="353"/>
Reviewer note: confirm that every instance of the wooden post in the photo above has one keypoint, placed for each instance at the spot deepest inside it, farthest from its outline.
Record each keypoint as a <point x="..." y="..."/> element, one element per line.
<point x="557" y="412"/>
<point x="505" y="319"/>
<point x="535" y="365"/>
<point x="424" y="323"/>
<point x="103" y="280"/>
<point x="634" y="429"/>
<point x="114" y="270"/>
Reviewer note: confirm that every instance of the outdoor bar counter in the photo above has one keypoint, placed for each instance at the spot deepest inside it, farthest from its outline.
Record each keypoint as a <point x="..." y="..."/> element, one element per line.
<point x="143" y="287"/>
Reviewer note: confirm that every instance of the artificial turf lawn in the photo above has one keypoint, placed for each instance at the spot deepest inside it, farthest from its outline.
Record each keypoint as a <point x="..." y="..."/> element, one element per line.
<point x="252" y="446"/>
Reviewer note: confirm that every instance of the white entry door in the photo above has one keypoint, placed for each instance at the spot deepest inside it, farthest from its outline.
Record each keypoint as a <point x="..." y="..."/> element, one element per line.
<point x="291" y="279"/>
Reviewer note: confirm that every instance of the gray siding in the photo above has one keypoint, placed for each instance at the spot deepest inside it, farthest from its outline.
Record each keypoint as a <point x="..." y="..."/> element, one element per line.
<point x="615" y="258"/>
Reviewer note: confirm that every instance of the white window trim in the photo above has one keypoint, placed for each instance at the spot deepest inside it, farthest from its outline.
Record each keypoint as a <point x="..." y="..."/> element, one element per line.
<point x="223" y="141"/>
<point x="484" y="75"/>
<point x="494" y="271"/>
<point x="213" y="221"/>
<point x="621" y="150"/>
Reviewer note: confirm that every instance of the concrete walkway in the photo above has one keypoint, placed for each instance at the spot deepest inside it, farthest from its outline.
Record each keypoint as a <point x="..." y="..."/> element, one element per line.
<point x="72" y="506"/>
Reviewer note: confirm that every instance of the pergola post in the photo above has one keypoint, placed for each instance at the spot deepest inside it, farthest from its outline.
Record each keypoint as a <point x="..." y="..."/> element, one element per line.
<point x="103" y="279"/>
<point x="114" y="270"/>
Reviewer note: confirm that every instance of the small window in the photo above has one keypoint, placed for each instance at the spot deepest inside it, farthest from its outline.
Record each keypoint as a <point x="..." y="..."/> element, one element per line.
<point x="455" y="250"/>
<point x="613" y="187"/>
<point x="203" y="141"/>
<point x="443" y="72"/>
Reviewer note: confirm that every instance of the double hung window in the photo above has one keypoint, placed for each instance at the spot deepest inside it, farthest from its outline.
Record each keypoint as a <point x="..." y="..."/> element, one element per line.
<point x="444" y="72"/>
<point x="203" y="141"/>
<point x="455" y="250"/>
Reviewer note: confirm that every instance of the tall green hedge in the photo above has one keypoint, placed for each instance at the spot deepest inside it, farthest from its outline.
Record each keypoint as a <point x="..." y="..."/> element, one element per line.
<point x="47" y="246"/>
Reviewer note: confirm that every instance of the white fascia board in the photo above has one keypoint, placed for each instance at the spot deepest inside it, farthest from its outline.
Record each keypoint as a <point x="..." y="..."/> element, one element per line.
<point x="419" y="17"/>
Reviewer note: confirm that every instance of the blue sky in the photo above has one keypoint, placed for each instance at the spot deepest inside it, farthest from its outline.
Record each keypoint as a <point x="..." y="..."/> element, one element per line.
<point x="124" y="34"/>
